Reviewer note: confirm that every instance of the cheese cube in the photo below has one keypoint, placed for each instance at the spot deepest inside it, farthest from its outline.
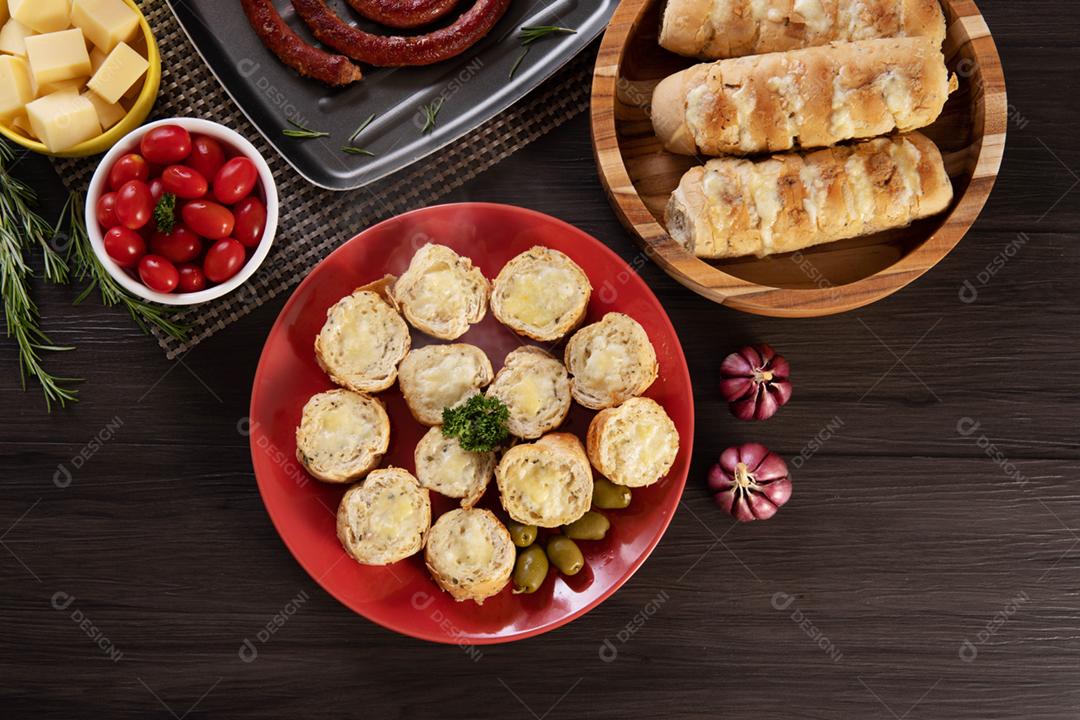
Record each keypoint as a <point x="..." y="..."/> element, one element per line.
<point x="13" y="37"/>
<point x="73" y="85"/>
<point x="57" y="56"/>
<point x="22" y="124"/>
<point x="106" y="23"/>
<point x="15" y="89"/>
<point x="63" y="119"/>
<point x="4" y="11"/>
<point x="108" y="113"/>
<point x="43" y="16"/>
<point x="97" y="59"/>
<point x="122" y="69"/>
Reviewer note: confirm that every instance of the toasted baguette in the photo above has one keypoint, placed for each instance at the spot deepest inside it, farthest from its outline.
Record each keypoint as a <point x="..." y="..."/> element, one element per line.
<point x="541" y="294"/>
<point x="441" y="293"/>
<point x="536" y="390"/>
<point x="803" y="98"/>
<point x="714" y="29"/>
<point x="444" y="466"/>
<point x="442" y="376"/>
<point x="634" y="444"/>
<point x="733" y="207"/>
<point x="363" y="339"/>
<point x="610" y="361"/>
<point x="342" y="435"/>
<point x="470" y="554"/>
<point x="547" y="483"/>
<point x="385" y="519"/>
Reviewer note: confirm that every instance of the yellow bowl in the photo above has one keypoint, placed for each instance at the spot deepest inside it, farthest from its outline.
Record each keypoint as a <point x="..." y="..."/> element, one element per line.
<point x="134" y="118"/>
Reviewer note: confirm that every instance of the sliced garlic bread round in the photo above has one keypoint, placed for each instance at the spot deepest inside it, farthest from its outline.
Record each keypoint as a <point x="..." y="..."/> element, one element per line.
<point x="541" y="294"/>
<point x="610" y="361"/>
<point x="547" y="483"/>
<point x="444" y="466"/>
<point x="470" y="554"/>
<point x="442" y="293"/>
<point x="384" y="519"/>
<point x="342" y="435"/>
<point x="535" y="388"/>
<point x="362" y="341"/>
<point x="441" y="376"/>
<point x="634" y="444"/>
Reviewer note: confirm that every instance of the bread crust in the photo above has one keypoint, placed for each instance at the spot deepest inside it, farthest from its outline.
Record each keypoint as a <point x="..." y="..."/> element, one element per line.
<point x="442" y="293"/>
<point x="437" y="456"/>
<point x="618" y="450"/>
<point x="715" y="29"/>
<point x="369" y="537"/>
<point x="527" y="373"/>
<point x="358" y="449"/>
<point x="477" y="580"/>
<point x="610" y="361"/>
<point x="814" y="198"/>
<point x="559" y="302"/>
<point x="808" y="98"/>
<point x="440" y="376"/>
<point x="560" y="461"/>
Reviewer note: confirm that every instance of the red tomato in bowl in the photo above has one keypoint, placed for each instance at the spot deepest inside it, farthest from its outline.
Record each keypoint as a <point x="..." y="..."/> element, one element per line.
<point x="250" y="214"/>
<point x="183" y="182"/>
<point x="208" y="219"/>
<point x="235" y="180"/>
<point x="157" y="189"/>
<point x="207" y="156"/>
<point x="106" y="210"/>
<point x="223" y="260"/>
<point x="179" y="246"/>
<point x="166" y="144"/>
<point x="159" y="274"/>
<point x="134" y="204"/>
<point x="124" y="245"/>
<point x="191" y="278"/>
<point x="129" y="167"/>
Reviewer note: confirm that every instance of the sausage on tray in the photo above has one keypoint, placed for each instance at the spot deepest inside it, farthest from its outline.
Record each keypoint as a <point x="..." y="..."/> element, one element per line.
<point x="291" y="49"/>
<point x="403" y="13"/>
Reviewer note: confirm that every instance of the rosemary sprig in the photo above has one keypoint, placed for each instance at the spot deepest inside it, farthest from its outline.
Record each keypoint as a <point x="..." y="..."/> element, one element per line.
<point x="353" y="150"/>
<point x="21" y="228"/>
<point x="431" y="114"/>
<point x="350" y="148"/>
<point x="302" y="132"/>
<point x="363" y="126"/>
<point x="530" y="34"/>
<point x="86" y="267"/>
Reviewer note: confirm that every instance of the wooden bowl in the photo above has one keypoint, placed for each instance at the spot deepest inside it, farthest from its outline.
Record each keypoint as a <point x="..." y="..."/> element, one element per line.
<point x="639" y="175"/>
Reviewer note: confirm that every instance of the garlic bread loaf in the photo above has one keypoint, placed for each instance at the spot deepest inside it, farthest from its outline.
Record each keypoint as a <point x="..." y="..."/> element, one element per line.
<point x="610" y="361"/>
<point x="634" y="444"/>
<point x="442" y="293"/>
<point x="547" y="483"/>
<point x="733" y="207"/>
<point x="469" y="554"/>
<point x="535" y="388"/>
<point x="715" y="29"/>
<point x="385" y="519"/>
<point x="342" y="435"/>
<point x="803" y="98"/>
<point x="444" y="466"/>
<point x="363" y="340"/>
<point x="441" y="376"/>
<point x="541" y="294"/>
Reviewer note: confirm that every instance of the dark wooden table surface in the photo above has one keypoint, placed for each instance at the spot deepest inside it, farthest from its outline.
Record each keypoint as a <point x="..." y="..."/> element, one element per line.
<point x="928" y="565"/>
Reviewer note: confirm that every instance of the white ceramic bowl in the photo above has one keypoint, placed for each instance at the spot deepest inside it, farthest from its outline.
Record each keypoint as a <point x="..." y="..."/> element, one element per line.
<point x="130" y="143"/>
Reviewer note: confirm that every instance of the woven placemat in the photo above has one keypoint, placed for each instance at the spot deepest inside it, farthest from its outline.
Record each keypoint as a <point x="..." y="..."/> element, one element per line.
<point x="315" y="221"/>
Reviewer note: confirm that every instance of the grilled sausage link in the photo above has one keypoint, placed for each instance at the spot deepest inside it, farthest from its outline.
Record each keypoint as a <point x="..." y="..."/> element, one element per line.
<point x="403" y="13"/>
<point x="291" y="49"/>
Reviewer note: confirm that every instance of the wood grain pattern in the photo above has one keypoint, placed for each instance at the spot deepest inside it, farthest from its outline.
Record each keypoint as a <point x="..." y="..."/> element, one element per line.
<point x="639" y="176"/>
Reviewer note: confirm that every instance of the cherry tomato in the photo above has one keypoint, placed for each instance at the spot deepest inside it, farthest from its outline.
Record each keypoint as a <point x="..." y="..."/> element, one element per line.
<point x="106" y="210"/>
<point x="183" y="182"/>
<point x="235" y="180"/>
<point x="128" y="167"/>
<point x="207" y="156"/>
<point x="179" y="246"/>
<point x="250" y="221"/>
<point x="208" y="219"/>
<point x="191" y="278"/>
<point x="159" y="274"/>
<point x="124" y="245"/>
<point x="223" y="260"/>
<point x="157" y="189"/>
<point x="166" y="144"/>
<point x="134" y="204"/>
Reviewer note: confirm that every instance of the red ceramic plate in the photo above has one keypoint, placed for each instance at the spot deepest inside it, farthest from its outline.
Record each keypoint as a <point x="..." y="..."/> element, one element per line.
<point x="402" y="596"/>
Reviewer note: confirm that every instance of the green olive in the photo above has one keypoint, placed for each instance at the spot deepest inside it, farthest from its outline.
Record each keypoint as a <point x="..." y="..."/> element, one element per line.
<point x="606" y="495"/>
<point x="530" y="569"/>
<point x="565" y="555"/>
<point x="522" y="535"/>
<point x="590" y="526"/>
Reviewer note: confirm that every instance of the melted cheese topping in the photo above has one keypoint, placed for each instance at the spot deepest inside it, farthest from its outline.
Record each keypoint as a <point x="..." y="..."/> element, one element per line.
<point x="787" y="88"/>
<point x="907" y="158"/>
<point x="813" y="14"/>
<point x="468" y="545"/>
<point x="607" y="359"/>
<point x="698" y="102"/>
<point x="862" y="191"/>
<point x="841" y="124"/>
<point x="723" y="11"/>
<point x="745" y="104"/>
<point x="895" y="90"/>
<point x="542" y="485"/>
<point x="542" y="295"/>
<point x="814" y="196"/>
<point x="643" y="446"/>
<point x="447" y="379"/>
<point x="338" y="429"/>
<point x="360" y="340"/>
<point x="390" y="512"/>
<point x="531" y="394"/>
<point x="765" y="190"/>
<point x="438" y="293"/>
